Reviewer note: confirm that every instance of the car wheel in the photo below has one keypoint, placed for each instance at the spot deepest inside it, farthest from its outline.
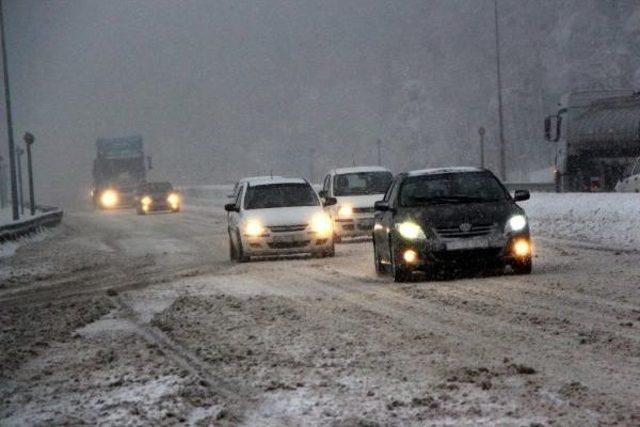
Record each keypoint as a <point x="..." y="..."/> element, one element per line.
<point x="524" y="267"/>
<point x="337" y="239"/>
<point x="331" y="252"/>
<point x="232" y="250"/>
<point x="240" y="255"/>
<point x="140" y="211"/>
<point x="400" y="272"/>
<point x="377" y="260"/>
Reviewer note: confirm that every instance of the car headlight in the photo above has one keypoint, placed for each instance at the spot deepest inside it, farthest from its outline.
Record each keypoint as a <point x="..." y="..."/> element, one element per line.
<point x="253" y="228"/>
<point x="109" y="198"/>
<point x="174" y="200"/>
<point x="146" y="201"/>
<point x="322" y="225"/>
<point x="410" y="230"/>
<point x="345" y="212"/>
<point x="516" y="223"/>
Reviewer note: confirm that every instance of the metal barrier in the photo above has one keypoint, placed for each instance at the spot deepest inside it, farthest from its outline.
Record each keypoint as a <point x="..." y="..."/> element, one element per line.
<point x="543" y="187"/>
<point x="49" y="217"/>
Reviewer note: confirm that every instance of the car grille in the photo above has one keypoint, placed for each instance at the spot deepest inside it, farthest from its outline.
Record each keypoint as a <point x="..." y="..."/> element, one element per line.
<point x="287" y="228"/>
<point x="363" y="210"/>
<point x="456" y="232"/>
<point x="288" y="245"/>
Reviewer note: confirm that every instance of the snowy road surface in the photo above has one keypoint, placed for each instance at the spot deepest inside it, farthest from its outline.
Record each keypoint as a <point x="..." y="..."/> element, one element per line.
<point x="122" y="319"/>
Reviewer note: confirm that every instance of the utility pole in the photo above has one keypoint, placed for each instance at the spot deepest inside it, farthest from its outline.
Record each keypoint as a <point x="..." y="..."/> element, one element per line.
<point x="503" y="166"/>
<point x="379" y="142"/>
<point x="29" y="140"/>
<point x="7" y="100"/>
<point x="20" y="152"/>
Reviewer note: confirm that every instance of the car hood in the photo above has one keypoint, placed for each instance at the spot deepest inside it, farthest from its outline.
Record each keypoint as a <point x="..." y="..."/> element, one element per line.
<point x="452" y="215"/>
<point x="365" y="201"/>
<point x="282" y="216"/>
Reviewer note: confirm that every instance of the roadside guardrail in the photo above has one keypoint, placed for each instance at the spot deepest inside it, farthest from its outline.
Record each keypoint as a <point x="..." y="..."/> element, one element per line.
<point x="544" y="187"/>
<point x="49" y="216"/>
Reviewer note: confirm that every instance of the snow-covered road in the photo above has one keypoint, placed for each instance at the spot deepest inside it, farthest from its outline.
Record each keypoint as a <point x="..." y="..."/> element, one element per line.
<point x="144" y="320"/>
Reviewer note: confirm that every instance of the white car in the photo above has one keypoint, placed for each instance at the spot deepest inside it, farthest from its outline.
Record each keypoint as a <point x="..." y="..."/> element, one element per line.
<point x="356" y="190"/>
<point x="278" y="216"/>
<point x="630" y="183"/>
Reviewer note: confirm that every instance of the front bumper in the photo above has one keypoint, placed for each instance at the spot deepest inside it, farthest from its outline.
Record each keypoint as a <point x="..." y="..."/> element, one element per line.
<point x="496" y="249"/>
<point x="287" y="243"/>
<point x="159" y="207"/>
<point x="357" y="226"/>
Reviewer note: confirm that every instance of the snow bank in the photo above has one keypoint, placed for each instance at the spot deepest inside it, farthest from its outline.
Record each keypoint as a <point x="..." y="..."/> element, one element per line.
<point x="604" y="219"/>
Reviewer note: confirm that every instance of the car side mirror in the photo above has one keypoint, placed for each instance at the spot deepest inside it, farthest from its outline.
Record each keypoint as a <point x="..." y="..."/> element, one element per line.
<point x="330" y="201"/>
<point x="323" y="194"/>
<point x="231" y="207"/>
<point x="382" y="206"/>
<point x="521" y="195"/>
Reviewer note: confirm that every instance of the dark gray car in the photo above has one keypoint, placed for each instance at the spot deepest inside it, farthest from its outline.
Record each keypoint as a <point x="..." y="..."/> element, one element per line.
<point x="450" y="217"/>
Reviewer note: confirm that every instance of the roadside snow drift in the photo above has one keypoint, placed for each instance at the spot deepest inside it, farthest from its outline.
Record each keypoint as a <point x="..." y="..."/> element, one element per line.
<point x="606" y="219"/>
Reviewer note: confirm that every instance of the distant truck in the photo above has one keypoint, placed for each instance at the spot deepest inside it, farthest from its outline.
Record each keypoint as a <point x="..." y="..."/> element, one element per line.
<point x="118" y="170"/>
<point x="597" y="136"/>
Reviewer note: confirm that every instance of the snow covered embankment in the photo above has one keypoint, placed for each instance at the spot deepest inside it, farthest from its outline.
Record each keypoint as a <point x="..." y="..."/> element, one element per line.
<point x="610" y="220"/>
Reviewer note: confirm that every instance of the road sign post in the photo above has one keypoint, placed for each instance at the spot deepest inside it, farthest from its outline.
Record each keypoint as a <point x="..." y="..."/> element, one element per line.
<point x="29" y="139"/>
<point x="481" y="132"/>
<point x="20" y="153"/>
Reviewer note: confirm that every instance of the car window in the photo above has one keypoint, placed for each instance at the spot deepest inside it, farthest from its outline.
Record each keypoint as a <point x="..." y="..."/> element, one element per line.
<point x="325" y="186"/>
<point x="280" y="195"/>
<point x="361" y="183"/>
<point x="451" y="188"/>
<point x="155" y="187"/>
<point x="387" y="195"/>
<point x="238" y="195"/>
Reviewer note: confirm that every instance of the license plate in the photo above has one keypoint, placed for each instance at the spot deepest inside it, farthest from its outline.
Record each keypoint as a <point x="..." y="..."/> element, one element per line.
<point x="467" y="244"/>
<point x="285" y="239"/>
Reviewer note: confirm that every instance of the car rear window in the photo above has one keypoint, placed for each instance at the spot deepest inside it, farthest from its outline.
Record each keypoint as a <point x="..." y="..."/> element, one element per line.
<point x="280" y="196"/>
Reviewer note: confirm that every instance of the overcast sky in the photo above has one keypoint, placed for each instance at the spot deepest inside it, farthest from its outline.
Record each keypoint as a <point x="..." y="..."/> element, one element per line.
<point x="226" y="88"/>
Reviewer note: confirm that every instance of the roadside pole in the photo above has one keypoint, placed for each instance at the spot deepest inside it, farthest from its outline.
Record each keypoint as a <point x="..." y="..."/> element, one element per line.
<point x="7" y="100"/>
<point x="379" y="142"/>
<point x="481" y="132"/>
<point x="29" y="140"/>
<point x="3" y="185"/>
<point x="20" y="152"/>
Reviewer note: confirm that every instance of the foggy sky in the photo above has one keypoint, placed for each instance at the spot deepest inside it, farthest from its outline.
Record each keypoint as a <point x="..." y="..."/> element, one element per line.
<point x="222" y="89"/>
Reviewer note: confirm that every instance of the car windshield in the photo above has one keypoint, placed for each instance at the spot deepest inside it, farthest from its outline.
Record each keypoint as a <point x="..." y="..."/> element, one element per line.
<point x="451" y="188"/>
<point x="156" y="187"/>
<point x="362" y="183"/>
<point x="280" y="196"/>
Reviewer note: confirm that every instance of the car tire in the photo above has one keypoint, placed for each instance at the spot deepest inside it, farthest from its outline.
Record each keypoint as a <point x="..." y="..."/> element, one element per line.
<point x="337" y="239"/>
<point x="331" y="252"/>
<point x="522" y="268"/>
<point x="232" y="250"/>
<point x="377" y="260"/>
<point x="140" y="212"/>
<point x="400" y="272"/>
<point x="240" y="256"/>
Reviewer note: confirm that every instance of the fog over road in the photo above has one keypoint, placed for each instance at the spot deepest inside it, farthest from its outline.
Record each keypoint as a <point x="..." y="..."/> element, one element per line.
<point x="116" y="316"/>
